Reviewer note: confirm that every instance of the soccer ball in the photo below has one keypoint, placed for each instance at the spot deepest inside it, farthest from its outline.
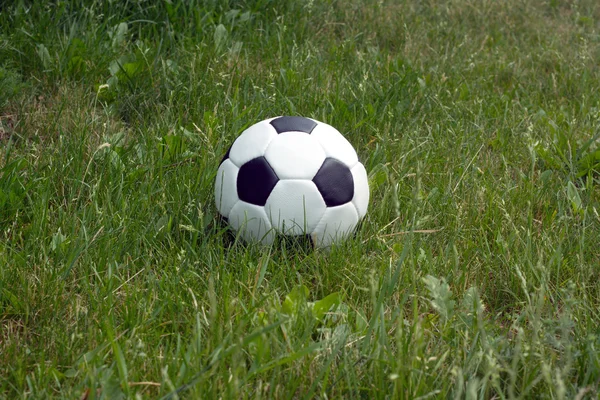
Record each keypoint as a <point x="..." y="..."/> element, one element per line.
<point x="292" y="176"/>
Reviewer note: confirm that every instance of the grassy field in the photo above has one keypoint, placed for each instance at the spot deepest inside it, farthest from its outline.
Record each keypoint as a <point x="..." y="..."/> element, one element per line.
<point x="475" y="274"/>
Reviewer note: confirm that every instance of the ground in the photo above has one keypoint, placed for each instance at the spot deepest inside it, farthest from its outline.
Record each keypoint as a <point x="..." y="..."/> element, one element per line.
<point x="474" y="275"/>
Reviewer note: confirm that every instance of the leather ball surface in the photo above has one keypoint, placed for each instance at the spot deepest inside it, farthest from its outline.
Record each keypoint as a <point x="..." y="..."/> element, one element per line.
<point x="292" y="176"/>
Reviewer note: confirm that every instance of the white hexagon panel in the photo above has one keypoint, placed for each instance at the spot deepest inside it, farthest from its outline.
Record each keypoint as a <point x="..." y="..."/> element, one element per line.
<point x="295" y="206"/>
<point x="226" y="187"/>
<point x="252" y="143"/>
<point x="251" y="222"/>
<point x="290" y="176"/>
<point x="295" y="155"/>
<point x="336" y="224"/>
<point x="335" y="144"/>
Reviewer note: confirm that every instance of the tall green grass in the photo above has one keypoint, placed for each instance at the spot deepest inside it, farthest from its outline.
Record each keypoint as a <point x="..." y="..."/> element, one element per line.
<point x="474" y="275"/>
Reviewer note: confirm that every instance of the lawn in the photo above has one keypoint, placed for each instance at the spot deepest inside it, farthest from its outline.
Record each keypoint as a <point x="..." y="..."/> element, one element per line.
<point x="475" y="273"/>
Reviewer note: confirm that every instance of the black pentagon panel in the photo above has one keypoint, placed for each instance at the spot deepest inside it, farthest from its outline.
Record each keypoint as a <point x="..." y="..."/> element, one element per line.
<point x="334" y="181"/>
<point x="255" y="181"/>
<point x="297" y="124"/>
<point x="226" y="156"/>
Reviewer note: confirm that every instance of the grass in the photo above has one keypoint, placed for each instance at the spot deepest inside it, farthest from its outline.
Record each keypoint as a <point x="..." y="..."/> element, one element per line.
<point x="474" y="275"/>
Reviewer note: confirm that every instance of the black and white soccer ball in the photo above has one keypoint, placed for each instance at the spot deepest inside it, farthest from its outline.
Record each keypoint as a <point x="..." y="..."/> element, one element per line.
<point x="292" y="176"/>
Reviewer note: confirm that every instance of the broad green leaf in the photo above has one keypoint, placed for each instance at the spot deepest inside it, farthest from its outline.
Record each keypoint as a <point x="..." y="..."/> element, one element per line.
<point x="471" y="306"/>
<point x="231" y="14"/>
<point x="120" y="359"/>
<point x="57" y="240"/>
<point x="114" y="67"/>
<point x="115" y="160"/>
<point x="44" y="55"/>
<point x="441" y="296"/>
<point x="294" y="300"/>
<point x="111" y="387"/>
<point x="75" y="65"/>
<point x="361" y="322"/>
<point x="245" y="16"/>
<point x="546" y="176"/>
<point x="378" y="176"/>
<point x="17" y="305"/>
<point x="71" y="373"/>
<point x="574" y="198"/>
<point x="589" y="163"/>
<point x="131" y="69"/>
<point x="118" y="35"/>
<point x="172" y="146"/>
<point x="111" y="84"/>
<point x="220" y="36"/>
<point x="326" y="304"/>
